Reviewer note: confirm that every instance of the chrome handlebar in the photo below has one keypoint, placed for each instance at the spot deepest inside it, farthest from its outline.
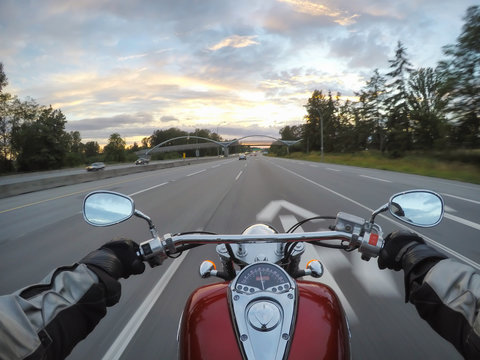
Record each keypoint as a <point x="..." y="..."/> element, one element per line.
<point x="155" y="250"/>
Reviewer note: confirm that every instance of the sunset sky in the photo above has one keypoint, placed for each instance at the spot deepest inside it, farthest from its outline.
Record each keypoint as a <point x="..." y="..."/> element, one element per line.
<point x="242" y="67"/>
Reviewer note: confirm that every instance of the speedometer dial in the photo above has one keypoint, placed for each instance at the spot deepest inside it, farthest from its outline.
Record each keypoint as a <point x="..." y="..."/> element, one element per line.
<point x="262" y="277"/>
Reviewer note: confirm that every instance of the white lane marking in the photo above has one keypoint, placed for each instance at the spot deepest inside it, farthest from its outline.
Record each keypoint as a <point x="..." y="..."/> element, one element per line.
<point x="374" y="178"/>
<point x="375" y="282"/>
<point x="449" y="209"/>
<point x="333" y="169"/>
<point x="269" y="212"/>
<point x="461" y="198"/>
<point x="312" y="165"/>
<point x="239" y="174"/>
<point x="426" y="238"/>
<point x="195" y="173"/>
<point x="462" y="221"/>
<point x="288" y="221"/>
<point x="150" y="188"/>
<point x="215" y="166"/>
<point x="119" y="345"/>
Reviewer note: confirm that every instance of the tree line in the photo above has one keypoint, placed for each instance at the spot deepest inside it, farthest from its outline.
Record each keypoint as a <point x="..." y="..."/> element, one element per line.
<point x="33" y="137"/>
<point x="404" y="109"/>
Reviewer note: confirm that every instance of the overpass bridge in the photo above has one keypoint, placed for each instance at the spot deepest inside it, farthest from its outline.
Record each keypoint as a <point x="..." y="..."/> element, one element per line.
<point x="249" y="140"/>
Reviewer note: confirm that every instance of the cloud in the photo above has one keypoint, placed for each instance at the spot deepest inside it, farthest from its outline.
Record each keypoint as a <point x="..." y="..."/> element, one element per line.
<point x="313" y="8"/>
<point x="130" y="57"/>
<point x="169" y="119"/>
<point x="362" y="50"/>
<point x="235" y="41"/>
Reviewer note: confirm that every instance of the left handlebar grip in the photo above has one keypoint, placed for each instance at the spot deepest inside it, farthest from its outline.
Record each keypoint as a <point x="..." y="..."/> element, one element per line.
<point x="153" y="251"/>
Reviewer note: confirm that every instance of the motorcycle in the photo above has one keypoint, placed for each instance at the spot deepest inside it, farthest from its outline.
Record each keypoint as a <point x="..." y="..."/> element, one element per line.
<point x="262" y="309"/>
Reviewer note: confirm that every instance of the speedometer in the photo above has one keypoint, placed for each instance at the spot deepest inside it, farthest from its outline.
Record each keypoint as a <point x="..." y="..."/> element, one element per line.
<point x="262" y="277"/>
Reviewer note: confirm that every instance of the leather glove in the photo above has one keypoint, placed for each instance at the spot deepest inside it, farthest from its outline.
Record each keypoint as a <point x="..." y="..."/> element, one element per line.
<point x="117" y="258"/>
<point x="408" y="251"/>
<point x="396" y="245"/>
<point x="405" y="250"/>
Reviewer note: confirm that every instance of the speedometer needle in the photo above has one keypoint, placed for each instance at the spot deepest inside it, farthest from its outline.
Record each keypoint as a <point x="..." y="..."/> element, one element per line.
<point x="261" y="279"/>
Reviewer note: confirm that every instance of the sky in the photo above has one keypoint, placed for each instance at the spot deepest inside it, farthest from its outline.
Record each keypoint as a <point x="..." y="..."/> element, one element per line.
<point x="240" y="67"/>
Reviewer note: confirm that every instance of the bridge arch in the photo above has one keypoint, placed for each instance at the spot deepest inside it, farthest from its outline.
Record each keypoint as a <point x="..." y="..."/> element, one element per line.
<point x="219" y="143"/>
<point x="284" y="142"/>
<point x="224" y="144"/>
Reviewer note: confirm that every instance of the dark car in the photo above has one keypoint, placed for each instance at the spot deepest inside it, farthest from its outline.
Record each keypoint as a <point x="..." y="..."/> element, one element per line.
<point x="142" y="161"/>
<point x="96" y="166"/>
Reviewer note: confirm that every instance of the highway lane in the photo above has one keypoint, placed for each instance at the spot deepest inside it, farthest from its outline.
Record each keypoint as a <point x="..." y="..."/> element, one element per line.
<point x="226" y="196"/>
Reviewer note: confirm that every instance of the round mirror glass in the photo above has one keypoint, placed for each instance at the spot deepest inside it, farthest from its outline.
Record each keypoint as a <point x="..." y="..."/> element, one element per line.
<point x="107" y="208"/>
<point x="420" y="208"/>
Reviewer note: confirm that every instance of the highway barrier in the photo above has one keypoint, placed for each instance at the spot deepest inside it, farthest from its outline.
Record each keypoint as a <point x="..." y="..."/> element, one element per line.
<point x="23" y="187"/>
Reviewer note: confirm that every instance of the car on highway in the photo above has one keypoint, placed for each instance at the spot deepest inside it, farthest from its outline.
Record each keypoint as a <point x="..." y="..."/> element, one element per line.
<point x="96" y="166"/>
<point x="142" y="161"/>
<point x="242" y="157"/>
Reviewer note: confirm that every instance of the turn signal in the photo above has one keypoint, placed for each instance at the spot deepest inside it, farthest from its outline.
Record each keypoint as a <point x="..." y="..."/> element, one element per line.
<point x="314" y="268"/>
<point x="206" y="268"/>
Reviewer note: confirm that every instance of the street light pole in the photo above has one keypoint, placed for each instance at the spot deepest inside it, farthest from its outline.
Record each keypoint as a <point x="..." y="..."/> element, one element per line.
<point x="321" y="134"/>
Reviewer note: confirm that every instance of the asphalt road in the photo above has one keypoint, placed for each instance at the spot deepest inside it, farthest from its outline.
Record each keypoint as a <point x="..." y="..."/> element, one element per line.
<point x="43" y="230"/>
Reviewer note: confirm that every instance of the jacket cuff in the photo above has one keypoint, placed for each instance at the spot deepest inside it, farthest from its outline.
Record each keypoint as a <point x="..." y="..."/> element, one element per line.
<point x="113" y="289"/>
<point x="416" y="262"/>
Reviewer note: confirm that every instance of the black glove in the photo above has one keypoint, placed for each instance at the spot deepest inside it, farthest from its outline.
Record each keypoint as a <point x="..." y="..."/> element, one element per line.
<point x="405" y="250"/>
<point x="396" y="245"/>
<point x="408" y="251"/>
<point x="117" y="258"/>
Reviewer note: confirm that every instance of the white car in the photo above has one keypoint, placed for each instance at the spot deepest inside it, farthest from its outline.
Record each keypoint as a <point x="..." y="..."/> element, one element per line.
<point x="242" y="157"/>
<point x="96" y="166"/>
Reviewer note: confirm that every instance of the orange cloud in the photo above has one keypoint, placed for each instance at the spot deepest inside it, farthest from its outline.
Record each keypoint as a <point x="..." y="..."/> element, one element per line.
<point x="235" y="41"/>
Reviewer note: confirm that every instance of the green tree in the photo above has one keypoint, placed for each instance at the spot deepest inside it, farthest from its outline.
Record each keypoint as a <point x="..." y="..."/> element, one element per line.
<point x="41" y="143"/>
<point x="160" y="136"/>
<point x="134" y="147"/>
<point x="461" y="71"/>
<point x="321" y="111"/>
<point x="349" y="135"/>
<point x="294" y="132"/>
<point x="6" y="99"/>
<point x="145" y="141"/>
<point x="92" y="149"/>
<point x="398" y="123"/>
<point x="427" y="107"/>
<point x="76" y="149"/>
<point x="3" y="78"/>
<point x="372" y="112"/>
<point x="115" y="149"/>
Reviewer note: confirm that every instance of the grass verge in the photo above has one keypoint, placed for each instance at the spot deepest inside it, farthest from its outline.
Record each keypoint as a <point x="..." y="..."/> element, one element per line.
<point x="427" y="165"/>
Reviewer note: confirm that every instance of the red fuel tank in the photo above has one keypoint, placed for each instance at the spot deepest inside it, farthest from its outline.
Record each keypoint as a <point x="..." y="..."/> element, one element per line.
<point x="207" y="331"/>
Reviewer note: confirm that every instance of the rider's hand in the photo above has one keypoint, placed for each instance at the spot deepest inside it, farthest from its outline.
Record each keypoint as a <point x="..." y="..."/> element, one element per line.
<point x="396" y="246"/>
<point x="117" y="258"/>
<point x="405" y="250"/>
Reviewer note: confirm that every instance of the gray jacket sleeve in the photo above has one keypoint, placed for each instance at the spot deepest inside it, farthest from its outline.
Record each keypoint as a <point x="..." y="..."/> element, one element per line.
<point x="448" y="298"/>
<point x="46" y="320"/>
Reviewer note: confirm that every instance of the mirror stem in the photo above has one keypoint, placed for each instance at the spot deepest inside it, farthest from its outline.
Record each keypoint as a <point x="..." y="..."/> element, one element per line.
<point x="378" y="211"/>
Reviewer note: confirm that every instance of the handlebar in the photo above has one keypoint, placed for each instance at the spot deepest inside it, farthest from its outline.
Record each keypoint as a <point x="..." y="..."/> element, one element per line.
<point x="155" y="250"/>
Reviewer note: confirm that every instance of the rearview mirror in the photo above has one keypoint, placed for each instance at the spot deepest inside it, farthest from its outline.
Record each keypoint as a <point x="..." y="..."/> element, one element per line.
<point x="417" y="207"/>
<point x="105" y="208"/>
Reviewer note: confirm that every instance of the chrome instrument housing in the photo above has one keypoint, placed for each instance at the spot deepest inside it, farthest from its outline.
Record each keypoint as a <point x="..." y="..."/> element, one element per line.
<point x="264" y="318"/>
